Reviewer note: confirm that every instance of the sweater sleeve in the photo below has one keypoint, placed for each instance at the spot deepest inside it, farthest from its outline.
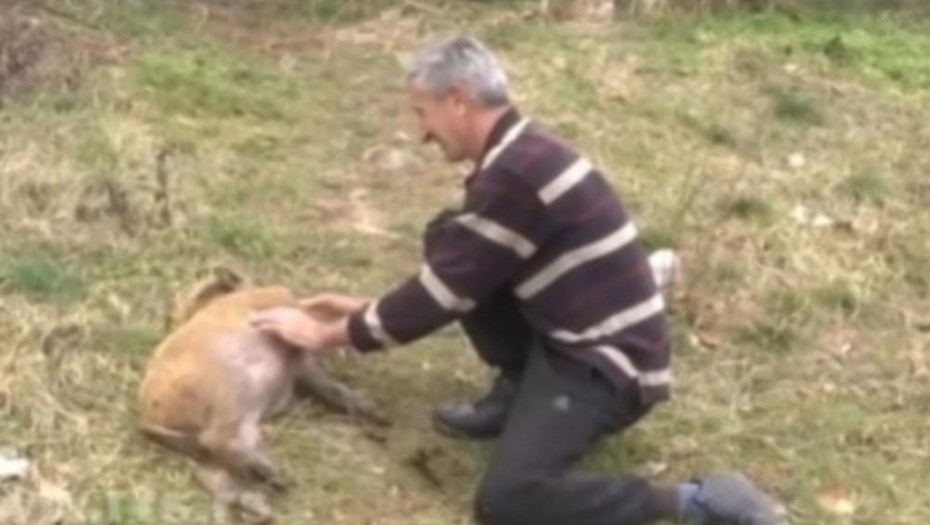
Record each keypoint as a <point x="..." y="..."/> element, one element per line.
<point x="472" y="255"/>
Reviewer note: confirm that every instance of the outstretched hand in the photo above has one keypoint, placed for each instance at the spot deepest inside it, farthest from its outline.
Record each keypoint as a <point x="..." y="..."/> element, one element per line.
<point x="293" y="326"/>
<point x="332" y="307"/>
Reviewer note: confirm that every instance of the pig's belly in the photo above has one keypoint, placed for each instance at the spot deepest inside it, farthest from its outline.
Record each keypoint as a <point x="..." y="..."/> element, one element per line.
<point x="260" y="372"/>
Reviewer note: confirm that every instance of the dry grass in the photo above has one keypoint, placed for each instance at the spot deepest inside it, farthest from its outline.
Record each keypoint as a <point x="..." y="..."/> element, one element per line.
<point x="792" y="175"/>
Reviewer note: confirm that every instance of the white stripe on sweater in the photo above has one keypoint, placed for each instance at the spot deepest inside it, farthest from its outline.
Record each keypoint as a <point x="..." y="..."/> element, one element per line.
<point x="441" y="293"/>
<point x="373" y="322"/>
<point x="508" y="139"/>
<point x="498" y="234"/>
<point x="566" y="180"/>
<point x="575" y="258"/>
<point x="622" y="361"/>
<point x="615" y="323"/>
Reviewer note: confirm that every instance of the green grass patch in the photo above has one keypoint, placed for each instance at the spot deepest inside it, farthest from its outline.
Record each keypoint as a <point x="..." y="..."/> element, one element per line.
<point x="866" y="188"/>
<point x="787" y="305"/>
<point x="130" y="343"/>
<point x="725" y="273"/>
<point x="877" y="48"/>
<point x="747" y="208"/>
<point x="95" y="150"/>
<point x="710" y="128"/>
<point x="768" y="337"/>
<point x="785" y="323"/>
<point x="207" y="82"/>
<point x="152" y="20"/>
<point x="839" y="296"/>
<point x="239" y="237"/>
<point x="319" y="11"/>
<point x="910" y="259"/>
<point x="577" y="92"/>
<point x="794" y="105"/>
<point x="41" y="277"/>
<point x="655" y="237"/>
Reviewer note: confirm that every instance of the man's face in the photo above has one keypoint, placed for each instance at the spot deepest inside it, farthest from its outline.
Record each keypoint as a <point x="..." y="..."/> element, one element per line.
<point x="442" y="120"/>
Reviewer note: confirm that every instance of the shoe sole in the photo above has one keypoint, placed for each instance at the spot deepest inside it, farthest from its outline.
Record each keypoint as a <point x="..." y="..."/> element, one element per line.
<point x="451" y="432"/>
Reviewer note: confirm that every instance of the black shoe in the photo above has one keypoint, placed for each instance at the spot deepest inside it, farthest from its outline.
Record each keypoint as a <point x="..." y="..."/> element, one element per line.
<point x="482" y="419"/>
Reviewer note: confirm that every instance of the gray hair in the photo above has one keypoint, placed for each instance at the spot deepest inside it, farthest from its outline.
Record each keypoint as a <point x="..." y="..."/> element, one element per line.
<point x="461" y="61"/>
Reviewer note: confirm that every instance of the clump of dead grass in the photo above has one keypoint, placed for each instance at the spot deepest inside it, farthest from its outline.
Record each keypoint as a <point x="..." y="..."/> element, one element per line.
<point x="36" y="50"/>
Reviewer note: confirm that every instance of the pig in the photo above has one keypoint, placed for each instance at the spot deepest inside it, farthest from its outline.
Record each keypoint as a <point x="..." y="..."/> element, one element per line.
<point x="213" y="380"/>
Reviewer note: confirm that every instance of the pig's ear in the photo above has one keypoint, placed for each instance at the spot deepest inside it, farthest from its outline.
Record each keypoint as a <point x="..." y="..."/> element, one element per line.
<point x="226" y="280"/>
<point x="221" y="281"/>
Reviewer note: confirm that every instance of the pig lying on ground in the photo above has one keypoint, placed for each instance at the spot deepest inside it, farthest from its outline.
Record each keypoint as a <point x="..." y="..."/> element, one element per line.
<point x="214" y="379"/>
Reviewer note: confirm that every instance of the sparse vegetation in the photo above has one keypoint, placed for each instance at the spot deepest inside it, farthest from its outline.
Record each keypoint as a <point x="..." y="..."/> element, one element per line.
<point x="802" y="349"/>
<point x="793" y="106"/>
<point x="41" y="278"/>
<point x="747" y="207"/>
<point x="866" y="187"/>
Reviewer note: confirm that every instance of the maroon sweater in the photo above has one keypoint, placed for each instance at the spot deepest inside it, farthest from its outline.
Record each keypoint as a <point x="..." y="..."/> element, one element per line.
<point x="539" y="219"/>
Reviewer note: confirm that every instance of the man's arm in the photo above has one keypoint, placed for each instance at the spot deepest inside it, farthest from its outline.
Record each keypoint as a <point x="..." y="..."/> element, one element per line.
<point x="472" y="255"/>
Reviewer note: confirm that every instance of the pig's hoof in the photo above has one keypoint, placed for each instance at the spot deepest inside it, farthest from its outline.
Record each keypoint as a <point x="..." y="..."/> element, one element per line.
<point x="376" y="418"/>
<point x="274" y="477"/>
<point x="252" y="509"/>
<point x="281" y="482"/>
<point x="363" y="409"/>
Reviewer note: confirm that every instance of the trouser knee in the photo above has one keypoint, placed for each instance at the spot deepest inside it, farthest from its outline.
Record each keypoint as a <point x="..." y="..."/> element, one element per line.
<point x="508" y="501"/>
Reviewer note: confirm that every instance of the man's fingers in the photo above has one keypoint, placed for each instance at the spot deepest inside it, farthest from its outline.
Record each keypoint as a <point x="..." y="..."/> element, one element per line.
<point x="266" y="328"/>
<point x="257" y="318"/>
<point x="263" y="324"/>
<point x="321" y="307"/>
<point x="335" y="303"/>
<point x="323" y="299"/>
<point x="266" y="320"/>
<point x="312" y="302"/>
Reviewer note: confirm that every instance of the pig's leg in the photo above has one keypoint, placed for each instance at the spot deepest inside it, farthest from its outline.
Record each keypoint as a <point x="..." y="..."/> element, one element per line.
<point x="315" y="381"/>
<point x="238" y="446"/>
<point x="231" y="498"/>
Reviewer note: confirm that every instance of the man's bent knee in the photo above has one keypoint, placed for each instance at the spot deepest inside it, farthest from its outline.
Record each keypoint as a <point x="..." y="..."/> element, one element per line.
<point x="505" y="501"/>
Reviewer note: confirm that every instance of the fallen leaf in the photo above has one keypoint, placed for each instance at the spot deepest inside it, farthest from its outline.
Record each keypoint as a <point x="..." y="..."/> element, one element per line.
<point x="705" y="340"/>
<point x="837" y="501"/>
<point x="13" y="467"/>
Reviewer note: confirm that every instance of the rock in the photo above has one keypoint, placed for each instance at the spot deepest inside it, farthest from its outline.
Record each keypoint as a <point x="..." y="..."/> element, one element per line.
<point x="12" y="466"/>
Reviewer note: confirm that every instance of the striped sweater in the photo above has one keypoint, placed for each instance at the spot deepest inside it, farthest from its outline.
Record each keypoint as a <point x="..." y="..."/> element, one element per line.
<point x="539" y="219"/>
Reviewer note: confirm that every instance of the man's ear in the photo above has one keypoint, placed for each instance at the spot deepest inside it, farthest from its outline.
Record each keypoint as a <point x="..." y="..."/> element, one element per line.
<point x="460" y="99"/>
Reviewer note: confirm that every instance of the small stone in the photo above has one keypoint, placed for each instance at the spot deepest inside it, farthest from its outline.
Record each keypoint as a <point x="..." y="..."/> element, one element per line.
<point x="12" y="467"/>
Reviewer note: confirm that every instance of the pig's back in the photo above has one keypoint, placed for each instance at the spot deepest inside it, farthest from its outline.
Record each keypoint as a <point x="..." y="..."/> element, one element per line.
<point x="212" y="362"/>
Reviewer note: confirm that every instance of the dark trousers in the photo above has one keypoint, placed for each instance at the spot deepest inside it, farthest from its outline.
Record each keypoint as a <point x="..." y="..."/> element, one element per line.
<point x="563" y="407"/>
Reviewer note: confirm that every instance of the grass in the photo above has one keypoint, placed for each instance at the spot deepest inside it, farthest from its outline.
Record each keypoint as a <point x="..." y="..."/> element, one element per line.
<point x="880" y="49"/>
<point x="794" y="106"/>
<point x="840" y="297"/>
<point x="747" y="207"/>
<point x="798" y="354"/>
<point x="239" y="238"/>
<point x="866" y="188"/>
<point x="41" y="278"/>
<point x="204" y="83"/>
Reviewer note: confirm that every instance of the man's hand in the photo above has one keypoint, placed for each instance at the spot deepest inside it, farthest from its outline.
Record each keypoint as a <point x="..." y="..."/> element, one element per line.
<point x="332" y="307"/>
<point x="295" y="327"/>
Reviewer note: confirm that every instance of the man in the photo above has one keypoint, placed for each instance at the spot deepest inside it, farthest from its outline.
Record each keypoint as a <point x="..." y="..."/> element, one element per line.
<point x="543" y="269"/>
